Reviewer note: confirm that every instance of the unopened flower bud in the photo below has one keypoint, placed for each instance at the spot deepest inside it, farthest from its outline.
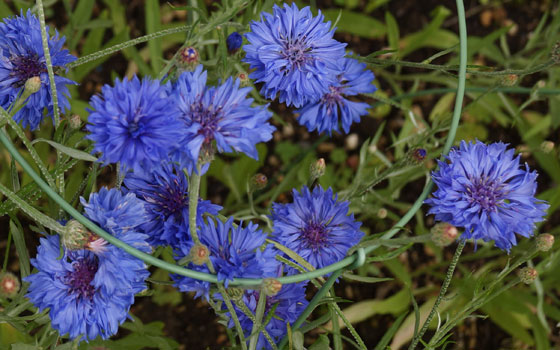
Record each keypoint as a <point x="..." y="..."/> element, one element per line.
<point x="443" y="234"/>
<point x="75" y="235"/>
<point x="206" y="154"/>
<point x="317" y="168"/>
<point x="32" y="85"/>
<point x="417" y="156"/>
<point x="233" y="42"/>
<point x="199" y="254"/>
<point x="509" y="79"/>
<point x="189" y="57"/>
<point x="75" y="122"/>
<point x="9" y="285"/>
<point x="547" y="146"/>
<point x="382" y="213"/>
<point x="243" y="79"/>
<point x="259" y="181"/>
<point x="545" y="241"/>
<point x="271" y="286"/>
<point x="528" y="275"/>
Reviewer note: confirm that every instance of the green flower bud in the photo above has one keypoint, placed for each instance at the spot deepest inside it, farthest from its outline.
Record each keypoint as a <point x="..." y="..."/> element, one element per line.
<point x="528" y="275"/>
<point x="443" y="234"/>
<point x="547" y="146"/>
<point x="199" y="254"/>
<point x="75" y="122"/>
<point x="235" y="293"/>
<point x="545" y="241"/>
<point x="9" y="285"/>
<point x="317" y="168"/>
<point x="75" y="236"/>
<point x="32" y="85"/>
<point x="271" y="286"/>
<point x="259" y="181"/>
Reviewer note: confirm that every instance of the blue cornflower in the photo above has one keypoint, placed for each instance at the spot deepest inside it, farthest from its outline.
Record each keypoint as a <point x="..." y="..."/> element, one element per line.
<point x="316" y="226"/>
<point x="222" y="114"/>
<point x="234" y="252"/>
<point x="90" y="292"/>
<point x="322" y="115"/>
<point x="288" y="304"/>
<point x="134" y="123"/>
<point x="233" y="42"/>
<point x="293" y="54"/>
<point x="482" y="189"/>
<point x="164" y="191"/>
<point x="21" y="58"/>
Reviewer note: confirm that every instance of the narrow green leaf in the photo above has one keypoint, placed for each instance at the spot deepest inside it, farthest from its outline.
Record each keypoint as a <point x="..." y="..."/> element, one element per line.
<point x="366" y="279"/>
<point x="21" y="249"/>
<point x="74" y="153"/>
<point x="153" y="25"/>
<point x="393" y="34"/>
<point x="384" y="342"/>
<point x="321" y="344"/>
<point x="357" y="23"/>
<point x="15" y="176"/>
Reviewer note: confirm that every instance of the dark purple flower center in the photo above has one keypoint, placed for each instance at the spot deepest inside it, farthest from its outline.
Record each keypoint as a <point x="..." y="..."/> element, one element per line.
<point x="26" y="67"/>
<point x="208" y="118"/>
<point x="332" y="98"/>
<point x="169" y="199"/>
<point x="296" y="53"/>
<point x="80" y="279"/>
<point x="314" y="235"/>
<point x="485" y="193"/>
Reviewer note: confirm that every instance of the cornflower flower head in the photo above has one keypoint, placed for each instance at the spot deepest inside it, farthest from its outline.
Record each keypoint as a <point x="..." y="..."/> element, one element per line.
<point x="316" y="226"/>
<point x="221" y="114"/>
<point x="90" y="292"/>
<point x="483" y="189"/>
<point x="323" y="115"/>
<point x="293" y="54"/>
<point x="22" y="58"/>
<point x="134" y="123"/>
<point x="287" y="305"/>
<point x="164" y="190"/>
<point x="234" y="252"/>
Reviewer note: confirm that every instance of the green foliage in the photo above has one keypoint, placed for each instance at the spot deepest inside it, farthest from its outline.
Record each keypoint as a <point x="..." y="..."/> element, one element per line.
<point x="511" y="94"/>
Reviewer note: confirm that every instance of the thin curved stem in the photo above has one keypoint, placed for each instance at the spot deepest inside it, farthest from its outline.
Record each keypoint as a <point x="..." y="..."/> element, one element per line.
<point x="122" y="46"/>
<point x="442" y="292"/>
<point x="48" y="62"/>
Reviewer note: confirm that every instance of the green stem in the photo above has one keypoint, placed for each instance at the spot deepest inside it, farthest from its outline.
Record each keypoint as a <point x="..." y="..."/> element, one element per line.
<point x="194" y="189"/>
<point x="437" y="67"/>
<point x="48" y="62"/>
<point x="34" y="155"/>
<point x="129" y="43"/>
<point x="337" y="340"/>
<point x="233" y="314"/>
<point x="5" y="264"/>
<point x="321" y="293"/>
<point x="251" y="316"/>
<point x="32" y="212"/>
<point x="258" y="320"/>
<point x="441" y="295"/>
